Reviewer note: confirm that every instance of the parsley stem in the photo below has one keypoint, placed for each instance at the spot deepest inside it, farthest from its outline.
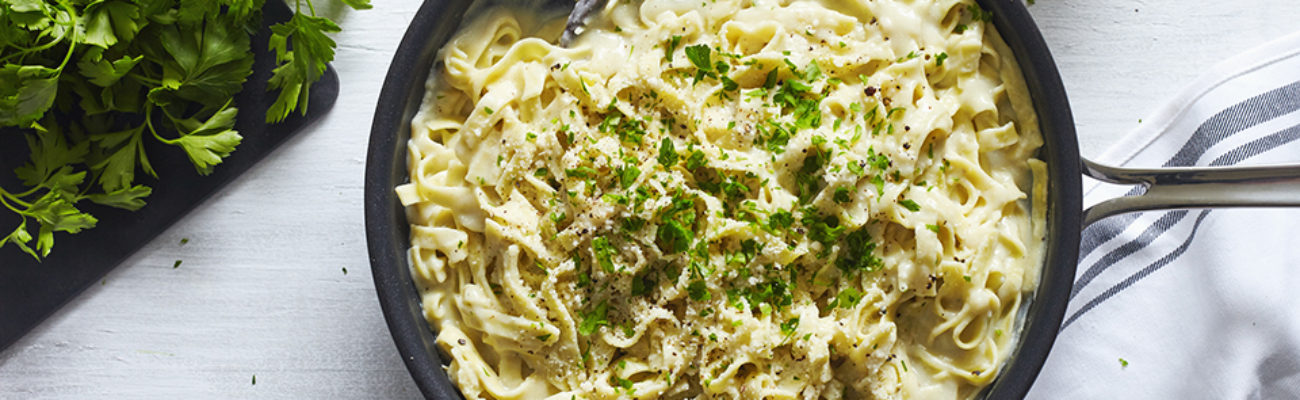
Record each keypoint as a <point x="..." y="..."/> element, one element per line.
<point x="15" y="199"/>
<point x="72" y="45"/>
<point x="145" y="79"/>
<point x="26" y="50"/>
<point x="148" y="122"/>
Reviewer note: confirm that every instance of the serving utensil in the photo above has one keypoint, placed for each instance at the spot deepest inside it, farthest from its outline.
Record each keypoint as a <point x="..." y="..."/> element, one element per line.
<point x="578" y="19"/>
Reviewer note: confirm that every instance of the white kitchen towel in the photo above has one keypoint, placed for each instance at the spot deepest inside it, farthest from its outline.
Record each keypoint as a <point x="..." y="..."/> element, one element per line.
<point x="1194" y="304"/>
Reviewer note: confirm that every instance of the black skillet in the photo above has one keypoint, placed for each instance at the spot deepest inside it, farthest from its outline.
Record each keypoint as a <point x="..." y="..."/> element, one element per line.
<point x="387" y="229"/>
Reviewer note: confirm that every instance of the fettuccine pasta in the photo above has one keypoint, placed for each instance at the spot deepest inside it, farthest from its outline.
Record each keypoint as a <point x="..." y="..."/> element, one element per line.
<point x="767" y="199"/>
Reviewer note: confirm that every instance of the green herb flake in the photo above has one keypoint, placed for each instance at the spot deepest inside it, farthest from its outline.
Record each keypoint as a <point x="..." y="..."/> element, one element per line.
<point x="583" y="172"/>
<point x="910" y="205"/>
<point x="699" y="56"/>
<point x="594" y="319"/>
<point x="856" y="254"/>
<point x="780" y="220"/>
<point x="842" y="195"/>
<point x="979" y="14"/>
<point x="673" y="42"/>
<point x="847" y="298"/>
<point x="789" y="327"/>
<point x="627" y="175"/>
<point x="667" y="153"/>
<point x="698" y="290"/>
<point x="604" y="253"/>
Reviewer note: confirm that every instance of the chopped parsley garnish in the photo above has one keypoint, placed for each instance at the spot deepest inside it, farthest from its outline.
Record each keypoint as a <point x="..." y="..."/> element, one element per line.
<point x="842" y="195"/>
<point x="825" y="230"/>
<point x="675" y="232"/>
<point x="623" y="383"/>
<point x="910" y="205"/>
<point x="932" y="227"/>
<point x="847" y="298"/>
<point x="667" y="153"/>
<point x="938" y="60"/>
<point x="856" y="253"/>
<point x="633" y="224"/>
<point x="627" y="175"/>
<point x="643" y="284"/>
<point x="699" y="55"/>
<point x="780" y="220"/>
<point x="810" y="182"/>
<point x="594" y="319"/>
<point x="696" y="160"/>
<point x="628" y="129"/>
<point x="582" y="172"/>
<point x="698" y="290"/>
<point x="789" y="326"/>
<point x="979" y="14"/>
<point x="604" y="253"/>
<point x="673" y="42"/>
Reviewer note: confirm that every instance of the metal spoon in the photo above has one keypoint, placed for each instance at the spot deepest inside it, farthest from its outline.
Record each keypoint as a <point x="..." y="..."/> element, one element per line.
<point x="578" y="18"/>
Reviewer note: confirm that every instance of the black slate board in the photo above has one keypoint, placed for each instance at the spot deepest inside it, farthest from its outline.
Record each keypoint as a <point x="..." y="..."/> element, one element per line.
<point x="31" y="291"/>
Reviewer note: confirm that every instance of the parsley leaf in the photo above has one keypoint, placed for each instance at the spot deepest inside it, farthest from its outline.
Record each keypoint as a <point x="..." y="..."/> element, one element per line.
<point x="847" y="298"/>
<point x="604" y="253"/>
<point x="26" y="93"/>
<point x="675" y="233"/>
<point x="699" y="56"/>
<point x="673" y="42"/>
<point x="698" y="290"/>
<point x="594" y="319"/>
<point x="696" y="160"/>
<point x="790" y="326"/>
<point x="856" y="253"/>
<point x="667" y="153"/>
<point x="300" y="66"/>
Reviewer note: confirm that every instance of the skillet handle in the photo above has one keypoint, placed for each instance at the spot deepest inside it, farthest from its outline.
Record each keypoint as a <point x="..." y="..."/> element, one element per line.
<point x="1196" y="187"/>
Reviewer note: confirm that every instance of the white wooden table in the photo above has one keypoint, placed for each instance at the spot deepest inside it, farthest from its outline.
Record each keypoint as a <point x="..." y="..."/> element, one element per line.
<point x="275" y="281"/>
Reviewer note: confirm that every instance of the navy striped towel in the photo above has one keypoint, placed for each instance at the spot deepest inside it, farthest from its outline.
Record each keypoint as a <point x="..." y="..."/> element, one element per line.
<point x="1199" y="304"/>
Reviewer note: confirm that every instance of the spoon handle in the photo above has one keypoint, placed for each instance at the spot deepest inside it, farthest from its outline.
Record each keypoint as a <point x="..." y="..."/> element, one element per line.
<point x="578" y="18"/>
<point x="1196" y="187"/>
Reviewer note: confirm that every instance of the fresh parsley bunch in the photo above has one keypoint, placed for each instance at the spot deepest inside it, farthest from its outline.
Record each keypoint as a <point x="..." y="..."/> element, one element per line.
<point x="88" y="82"/>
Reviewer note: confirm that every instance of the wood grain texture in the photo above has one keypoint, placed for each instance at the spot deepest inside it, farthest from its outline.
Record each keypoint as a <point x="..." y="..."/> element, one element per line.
<point x="261" y="288"/>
